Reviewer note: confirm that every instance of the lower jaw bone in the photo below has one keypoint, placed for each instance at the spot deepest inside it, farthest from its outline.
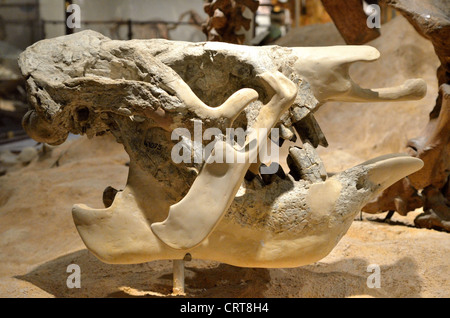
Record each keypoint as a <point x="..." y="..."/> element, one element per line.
<point x="252" y="233"/>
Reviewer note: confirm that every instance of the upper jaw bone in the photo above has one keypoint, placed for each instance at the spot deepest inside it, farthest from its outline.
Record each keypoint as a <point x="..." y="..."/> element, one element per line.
<point x="327" y="71"/>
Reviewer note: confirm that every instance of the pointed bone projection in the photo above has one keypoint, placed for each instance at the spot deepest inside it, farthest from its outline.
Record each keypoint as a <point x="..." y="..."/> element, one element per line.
<point x="143" y="91"/>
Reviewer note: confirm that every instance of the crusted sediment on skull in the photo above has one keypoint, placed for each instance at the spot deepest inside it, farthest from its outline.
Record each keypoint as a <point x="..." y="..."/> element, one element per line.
<point x="81" y="77"/>
<point x="150" y="148"/>
<point x="276" y="208"/>
<point x="230" y="67"/>
<point x="354" y="182"/>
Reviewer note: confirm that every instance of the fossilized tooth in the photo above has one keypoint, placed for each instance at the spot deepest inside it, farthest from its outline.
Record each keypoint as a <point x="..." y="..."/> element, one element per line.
<point x="89" y="69"/>
<point x="141" y="91"/>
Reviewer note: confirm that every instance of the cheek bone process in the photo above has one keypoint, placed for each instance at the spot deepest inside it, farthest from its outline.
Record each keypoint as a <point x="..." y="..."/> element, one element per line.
<point x="142" y="90"/>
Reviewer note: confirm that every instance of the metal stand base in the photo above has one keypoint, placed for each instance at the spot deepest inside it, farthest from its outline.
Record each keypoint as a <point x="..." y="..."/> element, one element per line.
<point x="178" y="277"/>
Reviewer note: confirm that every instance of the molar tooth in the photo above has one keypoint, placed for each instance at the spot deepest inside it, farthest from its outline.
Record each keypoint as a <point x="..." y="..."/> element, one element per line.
<point x="306" y="164"/>
<point x="299" y="112"/>
<point x="309" y="130"/>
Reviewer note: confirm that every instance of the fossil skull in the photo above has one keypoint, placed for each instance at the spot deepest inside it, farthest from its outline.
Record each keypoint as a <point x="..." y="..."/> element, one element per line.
<point x="141" y="91"/>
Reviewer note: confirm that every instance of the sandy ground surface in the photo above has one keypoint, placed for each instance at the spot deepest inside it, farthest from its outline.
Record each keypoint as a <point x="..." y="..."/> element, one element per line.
<point x="38" y="239"/>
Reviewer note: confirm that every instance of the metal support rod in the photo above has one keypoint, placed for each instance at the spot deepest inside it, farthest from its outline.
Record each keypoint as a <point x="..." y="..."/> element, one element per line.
<point x="130" y="29"/>
<point x="67" y="3"/>
<point x="297" y="13"/>
<point x="178" y="277"/>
